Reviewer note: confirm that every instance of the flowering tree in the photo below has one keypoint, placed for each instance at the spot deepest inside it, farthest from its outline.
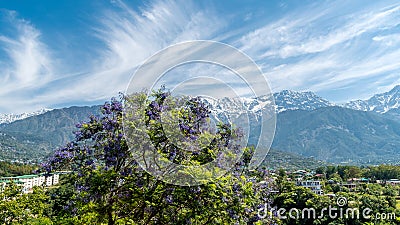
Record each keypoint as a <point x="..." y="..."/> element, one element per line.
<point x="111" y="187"/>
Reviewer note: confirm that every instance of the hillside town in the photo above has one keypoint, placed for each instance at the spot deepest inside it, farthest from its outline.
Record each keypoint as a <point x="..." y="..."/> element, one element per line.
<point x="318" y="182"/>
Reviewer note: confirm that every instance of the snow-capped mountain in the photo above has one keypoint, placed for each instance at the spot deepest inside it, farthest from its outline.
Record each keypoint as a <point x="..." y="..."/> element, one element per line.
<point x="292" y="100"/>
<point x="380" y="103"/>
<point x="9" y="118"/>
<point x="239" y="105"/>
<point x="284" y="101"/>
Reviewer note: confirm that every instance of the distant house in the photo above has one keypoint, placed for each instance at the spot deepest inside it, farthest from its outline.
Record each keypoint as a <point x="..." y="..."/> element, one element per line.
<point x="308" y="174"/>
<point x="393" y="182"/>
<point x="359" y="180"/>
<point x="299" y="174"/>
<point x="314" y="185"/>
<point x="350" y="185"/>
<point x="29" y="181"/>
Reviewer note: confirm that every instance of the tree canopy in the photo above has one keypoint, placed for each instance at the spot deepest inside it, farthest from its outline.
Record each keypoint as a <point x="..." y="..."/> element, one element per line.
<point x="110" y="186"/>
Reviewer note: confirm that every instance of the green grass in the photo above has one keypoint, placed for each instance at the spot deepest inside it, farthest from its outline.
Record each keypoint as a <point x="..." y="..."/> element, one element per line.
<point x="397" y="204"/>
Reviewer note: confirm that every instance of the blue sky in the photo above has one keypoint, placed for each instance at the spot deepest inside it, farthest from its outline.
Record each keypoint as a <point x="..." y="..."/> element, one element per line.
<point x="62" y="53"/>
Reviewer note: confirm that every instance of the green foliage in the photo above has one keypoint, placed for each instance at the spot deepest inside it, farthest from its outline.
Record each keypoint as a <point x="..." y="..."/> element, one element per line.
<point x="15" y="169"/>
<point x="383" y="172"/>
<point x="337" y="135"/>
<point x="19" y="208"/>
<point x="373" y="173"/>
<point x="293" y="197"/>
<point x="290" y="161"/>
<point x="108" y="186"/>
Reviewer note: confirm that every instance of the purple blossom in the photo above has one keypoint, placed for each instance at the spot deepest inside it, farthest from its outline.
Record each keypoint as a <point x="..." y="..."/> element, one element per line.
<point x="235" y="187"/>
<point x="107" y="108"/>
<point x="81" y="188"/>
<point x="116" y="105"/>
<point x="193" y="137"/>
<point x="169" y="199"/>
<point x="232" y="214"/>
<point x="89" y="162"/>
<point x="126" y="172"/>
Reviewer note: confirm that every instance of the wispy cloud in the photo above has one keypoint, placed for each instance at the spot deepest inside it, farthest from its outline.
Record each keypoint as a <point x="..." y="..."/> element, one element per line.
<point x="127" y="38"/>
<point x="308" y="31"/>
<point x="131" y="36"/>
<point x="28" y="63"/>
<point x="323" y="46"/>
<point x="315" y="48"/>
<point x="388" y="40"/>
<point x="355" y="27"/>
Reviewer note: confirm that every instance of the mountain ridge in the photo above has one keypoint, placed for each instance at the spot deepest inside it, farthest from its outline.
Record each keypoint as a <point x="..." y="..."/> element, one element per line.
<point x="336" y="134"/>
<point x="11" y="117"/>
<point x="307" y="125"/>
<point x="33" y="138"/>
<point x="284" y="100"/>
<point x="380" y="103"/>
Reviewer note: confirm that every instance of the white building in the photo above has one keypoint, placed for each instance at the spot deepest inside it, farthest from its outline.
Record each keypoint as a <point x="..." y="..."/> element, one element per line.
<point x="29" y="181"/>
<point x="314" y="185"/>
<point x="393" y="182"/>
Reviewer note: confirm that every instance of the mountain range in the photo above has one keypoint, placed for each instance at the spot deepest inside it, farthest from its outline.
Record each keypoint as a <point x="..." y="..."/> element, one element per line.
<point x="358" y="132"/>
<point x="9" y="118"/>
<point x="314" y="127"/>
<point x="339" y="135"/>
<point x="388" y="102"/>
<point x="380" y="103"/>
<point x="33" y="138"/>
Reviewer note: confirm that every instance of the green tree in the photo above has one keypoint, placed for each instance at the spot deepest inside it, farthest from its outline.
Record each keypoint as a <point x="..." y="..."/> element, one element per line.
<point x="321" y="170"/>
<point x="110" y="187"/>
<point x="330" y="170"/>
<point x="19" y="208"/>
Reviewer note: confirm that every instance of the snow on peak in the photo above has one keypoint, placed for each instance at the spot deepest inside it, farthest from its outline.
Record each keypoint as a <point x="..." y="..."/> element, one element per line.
<point x="9" y="118"/>
<point x="380" y="103"/>
<point x="292" y="100"/>
<point x="284" y="101"/>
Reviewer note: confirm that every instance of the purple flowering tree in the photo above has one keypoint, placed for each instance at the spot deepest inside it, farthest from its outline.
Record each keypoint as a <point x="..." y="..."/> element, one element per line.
<point x="110" y="187"/>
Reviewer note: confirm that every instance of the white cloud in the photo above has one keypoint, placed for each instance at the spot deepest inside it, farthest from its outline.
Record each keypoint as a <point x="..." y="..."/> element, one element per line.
<point x="308" y="32"/>
<point x="28" y="63"/>
<point x="132" y="36"/>
<point x="29" y="57"/>
<point x="356" y="27"/>
<point x="319" y="46"/>
<point x="129" y="37"/>
<point x="316" y="48"/>
<point x="390" y="40"/>
<point x="266" y="40"/>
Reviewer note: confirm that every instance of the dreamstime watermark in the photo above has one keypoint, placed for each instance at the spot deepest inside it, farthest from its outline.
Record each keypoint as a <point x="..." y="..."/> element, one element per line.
<point x="242" y="77"/>
<point x="333" y="212"/>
